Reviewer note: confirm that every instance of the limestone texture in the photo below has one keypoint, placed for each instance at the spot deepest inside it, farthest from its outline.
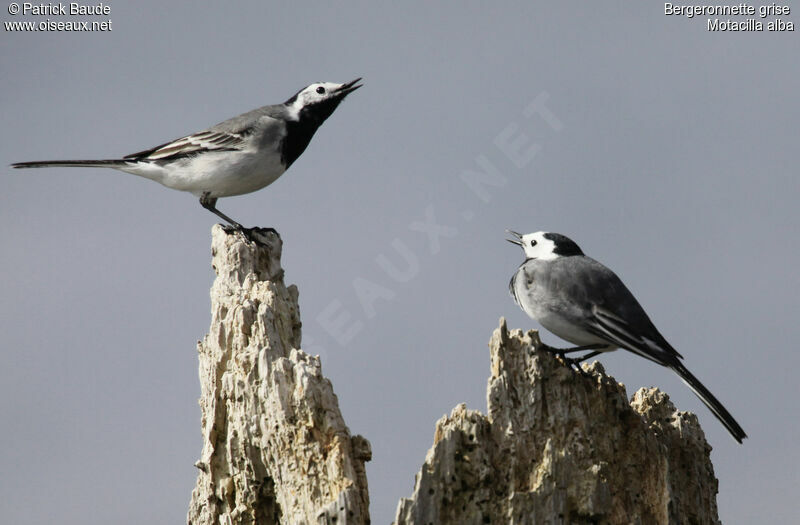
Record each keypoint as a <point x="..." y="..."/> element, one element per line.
<point x="556" y="446"/>
<point x="561" y="447"/>
<point x="275" y="446"/>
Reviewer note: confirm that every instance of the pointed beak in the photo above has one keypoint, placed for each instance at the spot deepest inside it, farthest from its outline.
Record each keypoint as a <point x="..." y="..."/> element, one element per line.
<point x="518" y="241"/>
<point x="349" y="87"/>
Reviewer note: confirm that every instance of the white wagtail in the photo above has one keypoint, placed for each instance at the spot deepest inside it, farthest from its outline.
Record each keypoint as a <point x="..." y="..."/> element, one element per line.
<point x="585" y="303"/>
<point x="234" y="157"/>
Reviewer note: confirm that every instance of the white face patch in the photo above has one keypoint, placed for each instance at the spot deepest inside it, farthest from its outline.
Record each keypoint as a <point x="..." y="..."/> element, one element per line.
<point x="316" y="92"/>
<point x="536" y="246"/>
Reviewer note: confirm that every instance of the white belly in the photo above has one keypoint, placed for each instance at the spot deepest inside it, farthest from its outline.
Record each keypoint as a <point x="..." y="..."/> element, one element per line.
<point x="222" y="174"/>
<point x="569" y="331"/>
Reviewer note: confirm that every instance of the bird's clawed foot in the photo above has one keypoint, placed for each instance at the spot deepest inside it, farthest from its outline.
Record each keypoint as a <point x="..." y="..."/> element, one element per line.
<point x="210" y="203"/>
<point x="250" y="234"/>
<point x="574" y="362"/>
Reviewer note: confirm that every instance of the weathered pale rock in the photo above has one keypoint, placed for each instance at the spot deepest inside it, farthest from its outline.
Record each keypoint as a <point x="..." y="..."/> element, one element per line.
<point x="275" y="446"/>
<point x="560" y="448"/>
<point x="556" y="447"/>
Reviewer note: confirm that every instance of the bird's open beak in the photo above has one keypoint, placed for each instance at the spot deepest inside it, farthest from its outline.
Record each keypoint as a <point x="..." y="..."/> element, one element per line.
<point x="518" y="242"/>
<point x="349" y="87"/>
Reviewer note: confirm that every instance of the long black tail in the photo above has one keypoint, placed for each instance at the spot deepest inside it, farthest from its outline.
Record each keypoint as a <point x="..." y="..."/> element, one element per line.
<point x="710" y="401"/>
<point x="70" y="164"/>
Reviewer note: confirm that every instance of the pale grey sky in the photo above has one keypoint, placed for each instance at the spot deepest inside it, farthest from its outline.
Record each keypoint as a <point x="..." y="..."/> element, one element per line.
<point x="667" y="152"/>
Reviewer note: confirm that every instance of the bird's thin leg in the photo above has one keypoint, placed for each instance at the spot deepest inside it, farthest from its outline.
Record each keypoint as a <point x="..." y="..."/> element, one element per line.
<point x="582" y="358"/>
<point x="210" y="203"/>
<point x="575" y="362"/>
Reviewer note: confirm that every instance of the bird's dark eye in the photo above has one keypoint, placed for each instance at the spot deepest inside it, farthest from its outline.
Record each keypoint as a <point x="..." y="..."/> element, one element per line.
<point x="533" y="243"/>
<point x="321" y="90"/>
